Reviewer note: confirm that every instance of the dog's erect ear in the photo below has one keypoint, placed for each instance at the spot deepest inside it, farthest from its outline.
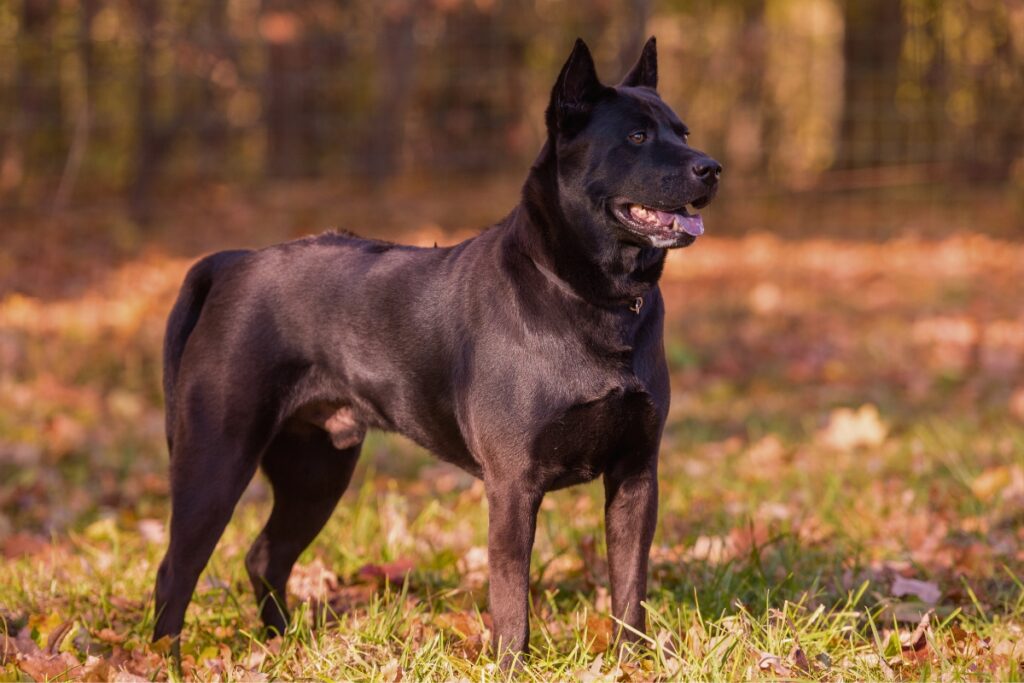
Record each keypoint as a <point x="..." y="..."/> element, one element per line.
<point x="645" y="72"/>
<point x="575" y="91"/>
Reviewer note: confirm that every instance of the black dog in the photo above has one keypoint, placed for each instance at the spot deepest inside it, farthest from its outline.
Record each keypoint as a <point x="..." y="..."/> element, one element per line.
<point x="530" y="356"/>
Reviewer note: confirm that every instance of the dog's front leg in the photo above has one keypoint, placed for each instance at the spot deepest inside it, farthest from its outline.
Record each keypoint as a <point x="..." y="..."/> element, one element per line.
<point x="631" y="513"/>
<point x="512" y="522"/>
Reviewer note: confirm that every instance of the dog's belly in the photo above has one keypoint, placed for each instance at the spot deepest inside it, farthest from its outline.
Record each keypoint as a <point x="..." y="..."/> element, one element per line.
<point x="587" y="438"/>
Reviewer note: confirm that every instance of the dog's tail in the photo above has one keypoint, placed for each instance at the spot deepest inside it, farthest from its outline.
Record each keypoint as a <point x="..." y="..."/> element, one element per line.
<point x="183" y="319"/>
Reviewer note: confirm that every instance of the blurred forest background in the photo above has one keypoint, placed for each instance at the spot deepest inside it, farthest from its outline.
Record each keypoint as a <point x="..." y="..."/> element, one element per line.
<point x="913" y="104"/>
<point x="846" y="342"/>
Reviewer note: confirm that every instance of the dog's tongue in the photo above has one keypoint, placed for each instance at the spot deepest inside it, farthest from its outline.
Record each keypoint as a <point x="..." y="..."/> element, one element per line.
<point x="691" y="225"/>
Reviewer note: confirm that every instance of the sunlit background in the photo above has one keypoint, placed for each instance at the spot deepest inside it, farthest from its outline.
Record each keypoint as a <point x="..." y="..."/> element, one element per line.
<point x="846" y="342"/>
<point x="885" y="109"/>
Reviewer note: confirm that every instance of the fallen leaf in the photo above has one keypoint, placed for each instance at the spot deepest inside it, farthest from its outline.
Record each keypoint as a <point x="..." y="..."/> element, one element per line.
<point x="989" y="483"/>
<point x="42" y="666"/>
<point x="57" y="636"/>
<point x="925" y="591"/>
<point x="312" y="581"/>
<point x="109" y="635"/>
<point x="8" y="649"/>
<point x="769" y="662"/>
<point x="22" y="544"/>
<point x="595" y="567"/>
<point x="96" y="669"/>
<point x="463" y="623"/>
<point x="767" y="452"/>
<point x="848" y="430"/>
<point x="152" y="530"/>
<point x="1017" y="404"/>
<point x="473" y="567"/>
<point x="394" y="572"/>
<point x="799" y="659"/>
<point x="914" y="646"/>
<point x="599" y="629"/>
<point x="346" y="598"/>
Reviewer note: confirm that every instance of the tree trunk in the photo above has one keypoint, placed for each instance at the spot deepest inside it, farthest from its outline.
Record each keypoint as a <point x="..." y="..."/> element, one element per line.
<point x="83" y="119"/>
<point x="213" y="127"/>
<point x="396" y="61"/>
<point x="634" y="33"/>
<point x="288" y="91"/>
<point x="37" y="138"/>
<point x="152" y="139"/>
<point x="871" y="129"/>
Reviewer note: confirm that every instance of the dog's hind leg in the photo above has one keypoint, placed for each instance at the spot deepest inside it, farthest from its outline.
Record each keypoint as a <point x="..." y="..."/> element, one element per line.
<point x="308" y="475"/>
<point x="208" y="476"/>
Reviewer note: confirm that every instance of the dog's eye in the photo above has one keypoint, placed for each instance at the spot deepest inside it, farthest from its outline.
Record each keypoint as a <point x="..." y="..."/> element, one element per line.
<point x="637" y="137"/>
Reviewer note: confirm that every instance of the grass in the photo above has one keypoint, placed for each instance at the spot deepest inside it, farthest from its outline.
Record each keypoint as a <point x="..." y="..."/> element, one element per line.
<point x="800" y="536"/>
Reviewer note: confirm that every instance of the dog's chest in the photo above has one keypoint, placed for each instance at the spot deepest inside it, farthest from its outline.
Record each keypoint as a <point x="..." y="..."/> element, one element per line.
<point x="582" y="440"/>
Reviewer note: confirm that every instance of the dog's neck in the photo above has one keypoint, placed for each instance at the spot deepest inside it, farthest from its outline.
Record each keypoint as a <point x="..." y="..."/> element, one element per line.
<point x="604" y="271"/>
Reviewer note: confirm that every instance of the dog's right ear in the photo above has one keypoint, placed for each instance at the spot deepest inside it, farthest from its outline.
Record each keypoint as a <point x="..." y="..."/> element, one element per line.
<point x="575" y="92"/>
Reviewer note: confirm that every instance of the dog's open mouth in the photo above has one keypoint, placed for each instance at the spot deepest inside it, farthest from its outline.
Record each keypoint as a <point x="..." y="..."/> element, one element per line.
<point x="660" y="223"/>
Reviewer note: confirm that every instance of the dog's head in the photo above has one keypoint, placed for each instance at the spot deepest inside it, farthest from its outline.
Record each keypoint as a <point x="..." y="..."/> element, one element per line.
<point x="625" y="166"/>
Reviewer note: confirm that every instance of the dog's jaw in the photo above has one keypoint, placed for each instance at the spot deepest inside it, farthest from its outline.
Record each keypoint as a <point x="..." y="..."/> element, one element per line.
<point x="662" y="229"/>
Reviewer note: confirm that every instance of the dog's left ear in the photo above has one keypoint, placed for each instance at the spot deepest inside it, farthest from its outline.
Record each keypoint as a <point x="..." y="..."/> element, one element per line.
<point x="645" y="72"/>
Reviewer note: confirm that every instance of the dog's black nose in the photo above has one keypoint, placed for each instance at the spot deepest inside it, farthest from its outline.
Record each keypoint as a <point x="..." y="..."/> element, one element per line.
<point x="708" y="170"/>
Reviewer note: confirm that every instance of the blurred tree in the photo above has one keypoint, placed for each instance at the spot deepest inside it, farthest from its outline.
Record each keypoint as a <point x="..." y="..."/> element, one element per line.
<point x="395" y="72"/>
<point x="636" y="15"/>
<point x="136" y="97"/>
<point x="872" y="127"/>
<point x="153" y="136"/>
<point x="215" y="41"/>
<point x="287" y="96"/>
<point x="35" y="147"/>
<point x="303" y="50"/>
<point x="83" y="118"/>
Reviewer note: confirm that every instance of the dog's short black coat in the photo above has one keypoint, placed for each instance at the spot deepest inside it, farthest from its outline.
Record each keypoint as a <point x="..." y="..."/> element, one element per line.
<point x="530" y="356"/>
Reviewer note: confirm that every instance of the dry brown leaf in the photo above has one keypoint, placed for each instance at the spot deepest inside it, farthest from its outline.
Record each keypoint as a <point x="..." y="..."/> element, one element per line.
<point x="57" y="636"/>
<point x="473" y="631"/>
<point x="42" y="666"/>
<point x="600" y="630"/>
<point x="711" y="549"/>
<point x="767" y="452"/>
<point x="463" y="623"/>
<point x="914" y="647"/>
<point x="96" y="669"/>
<point x="925" y="591"/>
<point x="595" y="566"/>
<point x="796" y="656"/>
<point x="473" y="567"/>
<point x="766" y="661"/>
<point x="849" y="430"/>
<point x="312" y="581"/>
<point x="391" y="671"/>
<point x="991" y="482"/>
<point x="393" y="572"/>
<point x="152" y="531"/>
<point x="799" y="659"/>
<point x="8" y="649"/>
<point x="346" y="598"/>
<point x="1017" y="404"/>
<point x="22" y="544"/>
<point x="109" y="635"/>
